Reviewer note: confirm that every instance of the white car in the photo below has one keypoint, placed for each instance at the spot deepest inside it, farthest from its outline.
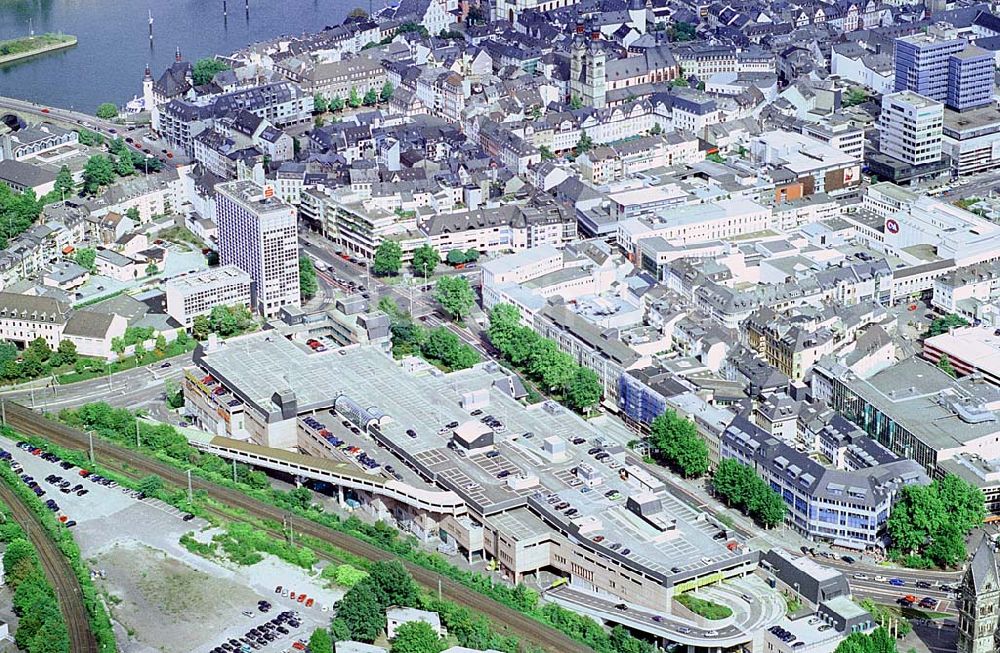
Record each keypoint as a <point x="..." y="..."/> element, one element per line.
<point x="860" y="576"/>
<point x="880" y="579"/>
<point x="712" y="633"/>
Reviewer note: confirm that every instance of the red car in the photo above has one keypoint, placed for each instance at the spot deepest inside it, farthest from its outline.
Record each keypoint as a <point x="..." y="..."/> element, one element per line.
<point x="45" y="111"/>
<point x="84" y="473"/>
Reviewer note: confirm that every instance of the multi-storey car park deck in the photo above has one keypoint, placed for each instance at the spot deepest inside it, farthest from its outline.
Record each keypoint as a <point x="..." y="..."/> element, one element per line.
<point x="454" y="459"/>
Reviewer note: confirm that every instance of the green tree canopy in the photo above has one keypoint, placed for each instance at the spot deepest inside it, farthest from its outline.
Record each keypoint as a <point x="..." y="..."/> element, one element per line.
<point x="386" y="93"/>
<point x="18" y="211"/>
<point x="739" y="486"/>
<point x="944" y="364"/>
<point x="945" y="324"/>
<point x="417" y="637"/>
<point x="354" y="99"/>
<point x="65" y="186"/>
<point x="361" y="612"/>
<point x="388" y="258"/>
<point x="67" y="351"/>
<point x="18" y="551"/>
<point x="320" y="105"/>
<point x="676" y="440"/>
<point x="455" y="296"/>
<point x="348" y="576"/>
<point x="150" y="484"/>
<point x="682" y="31"/>
<point x="124" y="164"/>
<point x="928" y="523"/>
<point x="308" y="282"/>
<point x="107" y="111"/>
<point x="85" y="258"/>
<point x="456" y="257"/>
<point x="205" y="69"/>
<point x="442" y="345"/>
<point x="879" y="641"/>
<point x="394" y="583"/>
<point x="425" y="259"/>
<point x="89" y="138"/>
<point x="98" y="172"/>
<point x="320" y="642"/>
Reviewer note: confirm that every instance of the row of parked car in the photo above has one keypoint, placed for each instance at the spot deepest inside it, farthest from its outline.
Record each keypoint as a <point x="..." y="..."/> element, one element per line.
<point x="32" y="484"/>
<point x="360" y="456"/>
<point x="304" y="599"/>
<point x="786" y="636"/>
<point x="928" y="602"/>
<point x="256" y="638"/>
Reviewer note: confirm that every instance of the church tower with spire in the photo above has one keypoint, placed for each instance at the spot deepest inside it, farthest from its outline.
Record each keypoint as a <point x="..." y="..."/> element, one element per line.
<point x="979" y="602"/>
<point x="588" y="79"/>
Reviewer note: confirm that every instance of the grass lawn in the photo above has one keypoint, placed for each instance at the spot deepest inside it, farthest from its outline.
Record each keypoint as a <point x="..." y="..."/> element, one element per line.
<point x="98" y="368"/>
<point x="181" y="235"/>
<point x="914" y="613"/>
<point x="32" y="43"/>
<point x="704" y="607"/>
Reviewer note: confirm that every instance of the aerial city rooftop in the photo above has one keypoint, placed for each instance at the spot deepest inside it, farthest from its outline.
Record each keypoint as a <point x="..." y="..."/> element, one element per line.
<point x="683" y="318"/>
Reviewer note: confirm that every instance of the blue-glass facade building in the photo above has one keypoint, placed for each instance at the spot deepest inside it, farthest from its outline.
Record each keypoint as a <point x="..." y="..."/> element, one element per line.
<point x="943" y="67"/>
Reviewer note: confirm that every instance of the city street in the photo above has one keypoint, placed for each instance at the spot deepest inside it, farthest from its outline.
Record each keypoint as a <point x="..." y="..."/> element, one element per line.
<point x="138" y="387"/>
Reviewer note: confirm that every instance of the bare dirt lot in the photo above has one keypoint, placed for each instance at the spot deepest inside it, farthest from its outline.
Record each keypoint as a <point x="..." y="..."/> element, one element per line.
<point x="162" y="599"/>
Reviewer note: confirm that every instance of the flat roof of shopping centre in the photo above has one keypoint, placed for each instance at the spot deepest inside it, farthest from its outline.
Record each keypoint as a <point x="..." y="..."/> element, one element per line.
<point x="425" y="402"/>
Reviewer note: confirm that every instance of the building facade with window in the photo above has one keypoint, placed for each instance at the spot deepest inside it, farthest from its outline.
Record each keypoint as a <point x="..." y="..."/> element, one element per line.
<point x="258" y="234"/>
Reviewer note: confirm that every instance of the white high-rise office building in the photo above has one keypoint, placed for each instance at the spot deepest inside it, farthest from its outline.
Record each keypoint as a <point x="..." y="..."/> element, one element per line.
<point x="910" y="128"/>
<point x="258" y="234"/>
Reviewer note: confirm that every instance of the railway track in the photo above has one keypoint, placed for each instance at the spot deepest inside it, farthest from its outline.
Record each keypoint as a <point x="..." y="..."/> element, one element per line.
<point x="28" y="422"/>
<point x="58" y="572"/>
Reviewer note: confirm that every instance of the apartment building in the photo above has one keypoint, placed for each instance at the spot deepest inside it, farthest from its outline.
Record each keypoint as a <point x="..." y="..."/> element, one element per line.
<point x="844" y="507"/>
<point x="280" y="103"/>
<point x="196" y="294"/>
<point x="332" y="79"/>
<point x="509" y="228"/>
<point x="24" y="318"/>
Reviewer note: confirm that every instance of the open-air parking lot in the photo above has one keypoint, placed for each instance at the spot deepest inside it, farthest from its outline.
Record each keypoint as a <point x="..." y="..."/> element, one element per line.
<point x="156" y="588"/>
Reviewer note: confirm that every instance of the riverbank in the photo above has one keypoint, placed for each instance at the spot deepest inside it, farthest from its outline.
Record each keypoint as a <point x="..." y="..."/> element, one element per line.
<point x="29" y="46"/>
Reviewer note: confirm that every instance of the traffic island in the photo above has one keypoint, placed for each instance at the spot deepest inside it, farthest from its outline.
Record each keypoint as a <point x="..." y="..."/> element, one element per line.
<point x="703" y="608"/>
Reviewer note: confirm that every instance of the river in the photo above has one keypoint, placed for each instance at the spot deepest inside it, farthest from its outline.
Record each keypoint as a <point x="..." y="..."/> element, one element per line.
<point x="114" y="45"/>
